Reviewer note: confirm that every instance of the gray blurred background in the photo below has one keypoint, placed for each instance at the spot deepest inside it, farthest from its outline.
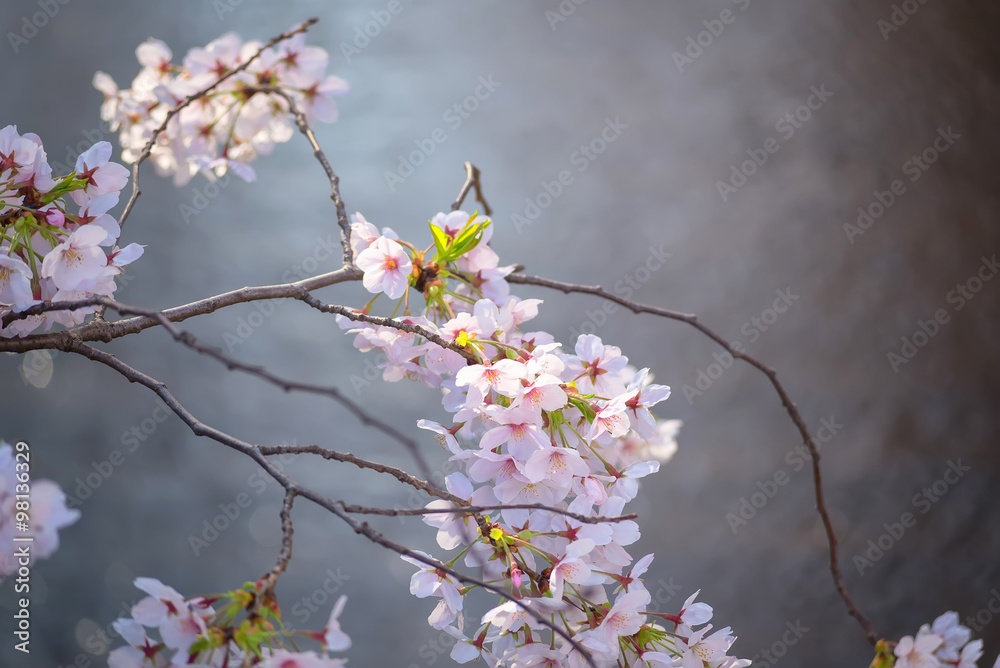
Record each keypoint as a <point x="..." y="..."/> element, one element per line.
<point x="654" y="186"/>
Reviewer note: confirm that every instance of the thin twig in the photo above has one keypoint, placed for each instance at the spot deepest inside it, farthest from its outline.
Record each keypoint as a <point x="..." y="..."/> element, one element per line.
<point x="471" y="181"/>
<point x="189" y="340"/>
<point x="388" y="322"/>
<point x="303" y="125"/>
<point x="287" y="531"/>
<point x="464" y="507"/>
<point x="792" y="410"/>
<point x="397" y="473"/>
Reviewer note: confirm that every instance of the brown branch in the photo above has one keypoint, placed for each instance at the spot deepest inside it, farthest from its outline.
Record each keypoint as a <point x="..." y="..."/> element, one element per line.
<point x="397" y="473"/>
<point x="148" y="148"/>
<point x="189" y="340"/>
<point x="287" y="531"/>
<point x="464" y="507"/>
<point x="790" y="408"/>
<point x="472" y="175"/>
<point x="336" y="507"/>
<point x="389" y="322"/>
<point x="100" y="330"/>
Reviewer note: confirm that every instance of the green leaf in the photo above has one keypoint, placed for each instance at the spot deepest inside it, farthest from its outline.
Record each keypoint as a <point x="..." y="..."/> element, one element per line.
<point x="468" y="238"/>
<point x="884" y="657"/>
<point x="441" y="241"/>
<point x="66" y="184"/>
<point x="584" y="407"/>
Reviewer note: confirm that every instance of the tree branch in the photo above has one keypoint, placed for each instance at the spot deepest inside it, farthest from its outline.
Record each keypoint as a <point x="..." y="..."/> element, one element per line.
<point x="291" y="486"/>
<point x="100" y="330"/>
<point x="287" y="531"/>
<point x="303" y="125"/>
<point x="471" y="181"/>
<point x="389" y="322"/>
<point x="790" y="408"/>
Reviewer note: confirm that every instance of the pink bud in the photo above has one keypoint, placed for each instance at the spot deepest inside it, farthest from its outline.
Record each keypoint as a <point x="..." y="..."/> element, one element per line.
<point x="594" y="490"/>
<point x="55" y="217"/>
<point x="516" y="576"/>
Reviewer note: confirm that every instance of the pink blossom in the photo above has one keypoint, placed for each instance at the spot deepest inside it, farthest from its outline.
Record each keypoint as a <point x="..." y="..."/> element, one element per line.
<point x="77" y="262"/>
<point x="101" y="176"/>
<point x="519" y="428"/>
<point x="386" y="267"/>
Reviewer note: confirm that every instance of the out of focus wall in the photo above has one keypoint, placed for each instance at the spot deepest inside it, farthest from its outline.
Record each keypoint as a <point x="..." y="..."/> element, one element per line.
<point x="688" y="116"/>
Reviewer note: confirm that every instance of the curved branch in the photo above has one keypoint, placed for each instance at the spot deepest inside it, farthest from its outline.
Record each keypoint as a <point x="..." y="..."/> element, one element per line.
<point x="338" y="202"/>
<point x="336" y="507"/>
<point x="389" y="322"/>
<point x="472" y="175"/>
<point x="772" y="375"/>
<point x="287" y="531"/>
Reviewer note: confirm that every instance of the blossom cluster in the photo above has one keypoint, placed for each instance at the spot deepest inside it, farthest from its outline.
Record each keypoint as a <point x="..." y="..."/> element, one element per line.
<point x="49" y="252"/>
<point x="234" y="123"/>
<point x="238" y="628"/>
<point x="531" y="424"/>
<point x="35" y="508"/>
<point x="943" y="644"/>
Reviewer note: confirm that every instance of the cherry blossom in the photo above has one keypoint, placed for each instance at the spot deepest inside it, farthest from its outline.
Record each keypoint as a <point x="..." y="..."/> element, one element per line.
<point x="386" y="266"/>
<point x="229" y="129"/>
<point x="334" y="639"/>
<point x="919" y="652"/>
<point x="15" y="283"/>
<point x="48" y="252"/>
<point x="78" y="261"/>
<point x="239" y="631"/>
<point x="571" y="567"/>
<point x="101" y="176"/>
